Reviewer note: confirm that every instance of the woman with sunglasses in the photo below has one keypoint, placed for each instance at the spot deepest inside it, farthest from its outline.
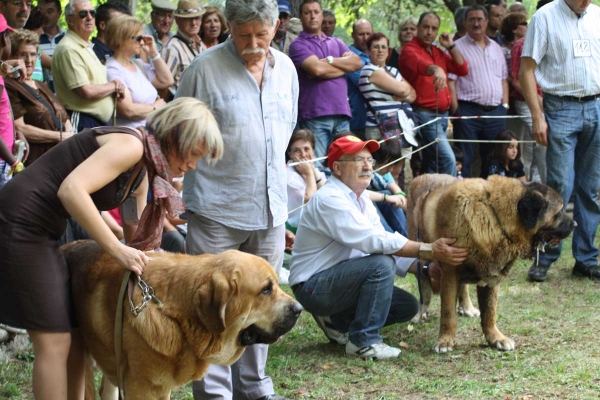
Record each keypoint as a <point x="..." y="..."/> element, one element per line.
<point x="124" y="37"/>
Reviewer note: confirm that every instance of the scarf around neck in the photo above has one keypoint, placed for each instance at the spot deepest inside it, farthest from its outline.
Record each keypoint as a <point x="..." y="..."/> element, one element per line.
<point x="165" y="198"/>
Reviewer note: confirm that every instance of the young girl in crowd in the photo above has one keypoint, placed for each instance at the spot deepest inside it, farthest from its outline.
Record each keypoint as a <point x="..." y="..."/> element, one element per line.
<point x="505" y="159"/>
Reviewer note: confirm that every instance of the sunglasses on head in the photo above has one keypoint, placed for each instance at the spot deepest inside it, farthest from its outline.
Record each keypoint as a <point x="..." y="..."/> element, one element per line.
<point x="137" y="38"/>
<point x="84" y="13"/>
<point x="523" y="23"/>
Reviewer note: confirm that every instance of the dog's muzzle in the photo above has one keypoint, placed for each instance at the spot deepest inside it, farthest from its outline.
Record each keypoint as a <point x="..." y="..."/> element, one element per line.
<point x="254" y="334"/>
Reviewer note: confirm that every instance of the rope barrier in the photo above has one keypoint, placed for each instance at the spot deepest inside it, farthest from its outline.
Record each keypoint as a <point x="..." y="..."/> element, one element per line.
<point x="421" y="148"/>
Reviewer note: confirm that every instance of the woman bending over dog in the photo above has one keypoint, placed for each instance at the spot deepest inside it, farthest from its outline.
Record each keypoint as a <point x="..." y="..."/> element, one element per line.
<point x="97" y="169"/>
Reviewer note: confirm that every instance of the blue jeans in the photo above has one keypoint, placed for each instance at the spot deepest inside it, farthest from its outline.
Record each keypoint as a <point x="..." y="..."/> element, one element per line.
<point x="359" y="296"/>
<point x="392" y="218"/>
<point x="573" y="167"/>
<point x="325" y="129"/>
<point x="445" y="155"/>
<point x="481" y="129"/>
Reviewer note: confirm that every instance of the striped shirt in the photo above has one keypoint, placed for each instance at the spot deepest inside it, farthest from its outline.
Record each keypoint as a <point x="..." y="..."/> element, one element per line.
<point x="487" y="70"/>
<point x="554" y="35"/>
<point x="379" y="99"/>
<point x="178" y="55"/>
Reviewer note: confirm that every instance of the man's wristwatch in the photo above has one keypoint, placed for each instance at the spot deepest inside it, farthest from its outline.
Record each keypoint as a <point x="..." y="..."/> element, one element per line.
<point x="426" y="251"/>
<point x="329" y="59"/>
<point x="505" y="105"/>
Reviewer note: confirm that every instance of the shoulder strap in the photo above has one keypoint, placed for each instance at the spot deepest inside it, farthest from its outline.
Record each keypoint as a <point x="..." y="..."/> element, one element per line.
<point x="103" y="130"/>
<point x="187" y="43"/>
<point x="140" y="65"/>
<point x="57" y="124"/>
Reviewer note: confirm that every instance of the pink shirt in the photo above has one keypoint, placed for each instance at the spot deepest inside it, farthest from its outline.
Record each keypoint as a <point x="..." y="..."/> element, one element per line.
<point x="7" y="131"/>
<point x="487" y="70"/>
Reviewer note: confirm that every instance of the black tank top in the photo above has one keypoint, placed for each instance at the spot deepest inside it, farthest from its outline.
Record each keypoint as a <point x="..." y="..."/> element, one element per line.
<point x="30" y="199"/>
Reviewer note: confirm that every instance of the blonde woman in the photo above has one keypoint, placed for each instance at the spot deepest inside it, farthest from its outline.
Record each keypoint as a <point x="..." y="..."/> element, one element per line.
<point x="124" y="37"/>
<point x="406" y="32"/>
<point x="97" y="169"/>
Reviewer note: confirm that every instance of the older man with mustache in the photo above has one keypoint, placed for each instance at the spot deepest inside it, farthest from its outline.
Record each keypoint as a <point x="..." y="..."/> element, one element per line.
<point x="344" y="262"/>
<point x="241" y="202"/>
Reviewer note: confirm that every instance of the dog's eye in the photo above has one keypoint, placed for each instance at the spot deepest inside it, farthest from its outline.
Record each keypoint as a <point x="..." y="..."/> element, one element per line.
<point x="267" y="290"/>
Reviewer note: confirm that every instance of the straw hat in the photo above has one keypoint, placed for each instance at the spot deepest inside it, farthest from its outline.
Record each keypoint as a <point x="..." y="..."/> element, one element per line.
<point x="188" y="9"/>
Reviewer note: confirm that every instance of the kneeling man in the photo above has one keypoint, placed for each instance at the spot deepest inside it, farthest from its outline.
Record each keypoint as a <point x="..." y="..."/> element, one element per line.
<point x="344" y="262"/>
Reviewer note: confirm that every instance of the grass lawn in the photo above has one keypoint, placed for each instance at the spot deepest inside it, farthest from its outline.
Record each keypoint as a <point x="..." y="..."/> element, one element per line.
<point x="555" y="325"/>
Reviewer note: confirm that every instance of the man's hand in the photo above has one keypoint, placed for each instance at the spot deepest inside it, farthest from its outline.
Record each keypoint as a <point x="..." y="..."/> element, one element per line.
<point x="446" y="254"/>
<point x="446" y="40"/>
<point x="289" y="240"/>
<point x="540" y="130"/>
<point x="439" y="78"/>
<point x="397" y="200"/>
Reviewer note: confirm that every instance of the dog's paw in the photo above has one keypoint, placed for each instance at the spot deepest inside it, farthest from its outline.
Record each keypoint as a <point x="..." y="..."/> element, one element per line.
<point x="503" y="343"/>
<point x="420" y="317"/>
<point x="470" y="312"/>
<point x="444" y="346"/>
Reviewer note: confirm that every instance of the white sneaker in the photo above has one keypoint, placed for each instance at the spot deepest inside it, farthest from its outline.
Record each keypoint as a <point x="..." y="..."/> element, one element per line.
<point x="377" y="351"/>
<point x="284" y="275"/>
<point x="334" y="336"/>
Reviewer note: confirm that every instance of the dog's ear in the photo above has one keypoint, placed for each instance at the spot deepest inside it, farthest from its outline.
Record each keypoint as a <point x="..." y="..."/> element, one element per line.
<point x="213" y="298"/>
<point x="531" y="207"/>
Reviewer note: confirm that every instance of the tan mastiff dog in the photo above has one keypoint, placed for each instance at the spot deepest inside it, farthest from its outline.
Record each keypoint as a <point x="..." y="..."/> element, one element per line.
<point x="212" y="307"/>
<point x="499" y="221"/>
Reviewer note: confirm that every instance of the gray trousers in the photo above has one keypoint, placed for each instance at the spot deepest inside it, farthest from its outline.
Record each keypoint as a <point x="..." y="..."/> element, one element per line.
<point x="246" y="379"/>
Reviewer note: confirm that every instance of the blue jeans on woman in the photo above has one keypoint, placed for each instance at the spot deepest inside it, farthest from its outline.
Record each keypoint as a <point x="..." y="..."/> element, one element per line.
<point x="392" y="218"/>
<point x="573" y="167"/>
<point x="359" y="296"/>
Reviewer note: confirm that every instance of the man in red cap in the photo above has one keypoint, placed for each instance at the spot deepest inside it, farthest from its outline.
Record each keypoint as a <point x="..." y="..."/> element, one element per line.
<point x="344" y="262"/>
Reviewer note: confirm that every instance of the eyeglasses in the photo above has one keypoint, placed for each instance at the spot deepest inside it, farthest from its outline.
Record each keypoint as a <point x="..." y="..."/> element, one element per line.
<point x="84" y="13"/>
<point x="361" y="161"/>
<point x="163" y="14"/>
<point x="21" y="4"/>
<point x="137" y="38"/>
<point x="523" y="23"/>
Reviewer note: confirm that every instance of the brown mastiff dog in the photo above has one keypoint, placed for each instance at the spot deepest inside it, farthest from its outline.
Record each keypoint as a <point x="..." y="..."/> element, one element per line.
<point x="212" y="307"/>
<point x="499" y="221"/>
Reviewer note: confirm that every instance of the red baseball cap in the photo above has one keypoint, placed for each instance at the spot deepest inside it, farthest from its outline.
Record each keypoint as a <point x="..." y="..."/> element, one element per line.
<point x="348" y="145"/>
<point x="4" y="25"/>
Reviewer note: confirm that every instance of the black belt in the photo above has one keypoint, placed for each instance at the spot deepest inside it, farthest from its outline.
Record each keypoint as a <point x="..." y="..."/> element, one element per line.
<point x="579" y="99"/>
<point x="480" y="106"/>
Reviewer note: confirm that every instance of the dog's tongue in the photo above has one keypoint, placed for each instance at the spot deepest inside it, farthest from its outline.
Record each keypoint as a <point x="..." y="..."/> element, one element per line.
<point x="554" y="243"/>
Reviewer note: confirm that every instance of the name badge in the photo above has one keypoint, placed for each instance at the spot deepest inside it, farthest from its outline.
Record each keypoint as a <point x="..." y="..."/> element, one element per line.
<point x="581" y="48"/>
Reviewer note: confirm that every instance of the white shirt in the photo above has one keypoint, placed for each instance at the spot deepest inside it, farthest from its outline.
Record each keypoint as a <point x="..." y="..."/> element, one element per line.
<point x="296" y="189"/>
<point x="566" y="49"/>
<point x="337" y="226"/>
<point x="246" y="189"/>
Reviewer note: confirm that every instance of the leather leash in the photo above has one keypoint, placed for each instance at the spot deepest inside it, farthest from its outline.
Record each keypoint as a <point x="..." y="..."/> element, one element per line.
<point x="118" y="334"/>
<point x="128" y="284"/>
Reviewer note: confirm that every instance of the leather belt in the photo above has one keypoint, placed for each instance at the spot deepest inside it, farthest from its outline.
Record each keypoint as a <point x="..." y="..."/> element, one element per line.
<point x="479" y="106"/>
<point x="579" y="99"/>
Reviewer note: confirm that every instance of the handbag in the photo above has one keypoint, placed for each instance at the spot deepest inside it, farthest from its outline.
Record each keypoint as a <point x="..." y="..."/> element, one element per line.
<point x="58" y="125"/>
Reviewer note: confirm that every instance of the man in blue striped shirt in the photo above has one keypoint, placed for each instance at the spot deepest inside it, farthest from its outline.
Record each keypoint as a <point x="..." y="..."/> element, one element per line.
<point x="562" y="53"/>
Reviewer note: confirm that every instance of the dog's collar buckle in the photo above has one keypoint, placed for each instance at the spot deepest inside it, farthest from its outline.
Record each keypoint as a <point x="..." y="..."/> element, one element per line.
<point x="147" y="295"/>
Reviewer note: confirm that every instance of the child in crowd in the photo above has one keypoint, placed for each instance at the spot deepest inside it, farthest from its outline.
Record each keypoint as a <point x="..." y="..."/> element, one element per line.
<point x="505" y="159"/>
<point x="459" y="156"/>
<point x="383" y="183"/>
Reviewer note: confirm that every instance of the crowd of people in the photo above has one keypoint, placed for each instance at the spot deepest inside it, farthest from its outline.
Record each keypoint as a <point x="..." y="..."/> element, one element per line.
<point x="236" y="105"/>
